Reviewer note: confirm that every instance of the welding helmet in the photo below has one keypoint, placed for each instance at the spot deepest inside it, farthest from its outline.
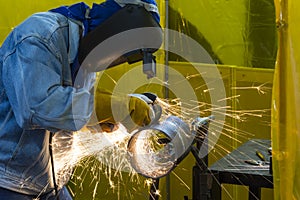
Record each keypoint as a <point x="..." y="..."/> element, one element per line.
<point x="128" y="35"/>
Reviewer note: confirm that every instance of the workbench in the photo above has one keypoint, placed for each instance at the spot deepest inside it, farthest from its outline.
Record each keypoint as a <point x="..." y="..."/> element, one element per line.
<point x="232" y="169"/>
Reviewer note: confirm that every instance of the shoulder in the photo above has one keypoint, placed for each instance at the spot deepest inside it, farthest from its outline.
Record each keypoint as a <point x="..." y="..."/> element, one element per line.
<point x="43" y="29"/>
<point x="41" y="25"/>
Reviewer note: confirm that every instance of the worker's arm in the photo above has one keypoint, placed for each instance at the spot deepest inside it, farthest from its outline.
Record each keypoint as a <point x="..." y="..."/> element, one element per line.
<point x="39" y="89"/>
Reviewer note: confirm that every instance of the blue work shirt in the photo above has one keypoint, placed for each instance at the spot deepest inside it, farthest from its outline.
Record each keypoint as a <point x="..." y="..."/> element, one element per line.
<point x="36" y="97"/>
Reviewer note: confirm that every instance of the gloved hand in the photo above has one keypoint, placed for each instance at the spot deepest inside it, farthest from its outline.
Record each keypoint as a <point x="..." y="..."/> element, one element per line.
<point x="133" y="110"/>
<point x="141" y="111"/>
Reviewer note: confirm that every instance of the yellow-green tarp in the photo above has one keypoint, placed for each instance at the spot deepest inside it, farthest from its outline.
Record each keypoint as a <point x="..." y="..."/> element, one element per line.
<point x="285" y="105"/>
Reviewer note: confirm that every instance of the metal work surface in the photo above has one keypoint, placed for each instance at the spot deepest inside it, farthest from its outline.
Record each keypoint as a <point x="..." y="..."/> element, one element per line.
<point x="234" y="168"/>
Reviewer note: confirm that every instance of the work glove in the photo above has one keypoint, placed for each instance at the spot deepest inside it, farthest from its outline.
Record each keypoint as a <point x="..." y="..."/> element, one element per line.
<point x="142" y="111"/>
<point x="132" y="111"/>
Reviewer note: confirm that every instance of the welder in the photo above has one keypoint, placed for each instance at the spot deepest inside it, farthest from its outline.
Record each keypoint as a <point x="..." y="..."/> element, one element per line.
<point x="39" y="66"/>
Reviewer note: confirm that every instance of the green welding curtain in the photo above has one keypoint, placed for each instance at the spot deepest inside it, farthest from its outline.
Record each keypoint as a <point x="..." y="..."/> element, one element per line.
<point x="285" y="105"/>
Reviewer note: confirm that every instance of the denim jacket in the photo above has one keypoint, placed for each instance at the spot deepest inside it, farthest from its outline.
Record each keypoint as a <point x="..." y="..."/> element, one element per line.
<point x="37" y="97"/>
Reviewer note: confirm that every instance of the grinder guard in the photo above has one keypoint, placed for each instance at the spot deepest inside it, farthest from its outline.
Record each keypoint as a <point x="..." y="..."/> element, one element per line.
<point x="156" y="149"/>
<point x="130" y="35"/>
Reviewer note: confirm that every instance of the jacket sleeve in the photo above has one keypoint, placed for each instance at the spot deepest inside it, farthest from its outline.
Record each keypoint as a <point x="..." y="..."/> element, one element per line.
<point x="32" y="76"/>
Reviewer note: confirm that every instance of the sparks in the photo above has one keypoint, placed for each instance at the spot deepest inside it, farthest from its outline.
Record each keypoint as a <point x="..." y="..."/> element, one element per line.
<point x="110" y="149"/>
